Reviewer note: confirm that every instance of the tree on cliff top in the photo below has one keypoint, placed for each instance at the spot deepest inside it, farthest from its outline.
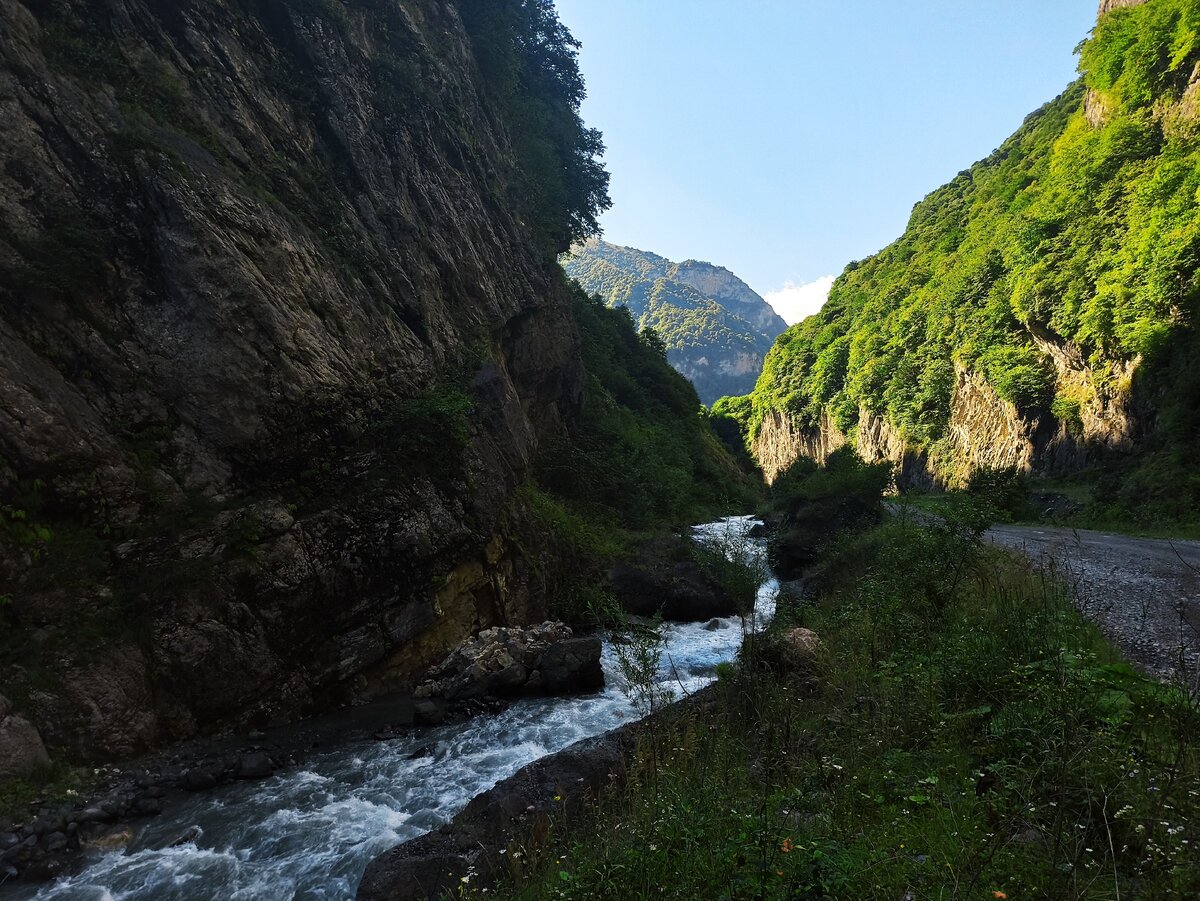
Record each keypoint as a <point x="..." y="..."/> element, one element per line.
<point x="531" y="63"/>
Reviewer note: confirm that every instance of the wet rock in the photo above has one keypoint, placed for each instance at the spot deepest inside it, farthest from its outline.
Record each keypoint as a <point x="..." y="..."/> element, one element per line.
<point x="147" y="807"/>
<point x="187" y="838"/>
<point x="505" y="662"/>
<point x="202" y="779"/>
<point x="109" y="838"/>
<point x="680" y="592"/>
<point x="254" y="765"/>
<point x="571" y="667"/>
<point x="55" y="841"/>
<point x="93" y="815"/>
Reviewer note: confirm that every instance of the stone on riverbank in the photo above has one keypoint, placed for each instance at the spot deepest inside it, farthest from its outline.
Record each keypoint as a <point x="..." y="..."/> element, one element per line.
<point x="21" y="750"/>
<point x="507" y="662"/>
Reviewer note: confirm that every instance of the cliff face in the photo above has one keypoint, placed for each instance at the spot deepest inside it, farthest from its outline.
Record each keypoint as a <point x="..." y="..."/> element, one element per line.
<point x="273" y="357"/>
<point x="716" y="329"/>
<point x="1039" y="311"/>
<point x="732" y="293"/>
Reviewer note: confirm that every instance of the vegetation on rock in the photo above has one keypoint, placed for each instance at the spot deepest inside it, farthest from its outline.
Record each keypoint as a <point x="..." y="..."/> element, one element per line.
<point x="1080" y="235"/>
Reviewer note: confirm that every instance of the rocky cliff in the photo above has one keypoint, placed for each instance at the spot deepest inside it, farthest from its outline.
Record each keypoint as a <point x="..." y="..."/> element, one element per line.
<point x="715" y="328"/>
<point x="276" y="347"/>
<point x="1038" y="312"/>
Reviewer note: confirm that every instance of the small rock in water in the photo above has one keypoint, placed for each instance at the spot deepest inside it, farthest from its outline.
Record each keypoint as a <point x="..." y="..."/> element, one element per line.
<point x="187" y="838"/>
<point x="254" y="765"/>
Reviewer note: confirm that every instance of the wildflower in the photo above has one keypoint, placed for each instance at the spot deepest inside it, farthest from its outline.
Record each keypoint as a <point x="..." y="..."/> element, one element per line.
<point x="999" y="894"/>
<point x="787" y="846"/>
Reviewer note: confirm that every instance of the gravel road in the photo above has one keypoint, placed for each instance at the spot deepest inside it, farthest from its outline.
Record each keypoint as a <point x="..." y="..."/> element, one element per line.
<point x="1143" y="593"/>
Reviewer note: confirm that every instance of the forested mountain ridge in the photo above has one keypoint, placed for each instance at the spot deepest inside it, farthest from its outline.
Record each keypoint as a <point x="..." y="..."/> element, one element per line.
<point x="283" y="339"/>
<point x="716" y="329"/>
<point x="1038" y="312"/>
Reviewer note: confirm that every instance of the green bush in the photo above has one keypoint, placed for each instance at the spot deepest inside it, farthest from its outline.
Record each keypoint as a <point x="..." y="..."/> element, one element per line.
<point x="843" y="475"/>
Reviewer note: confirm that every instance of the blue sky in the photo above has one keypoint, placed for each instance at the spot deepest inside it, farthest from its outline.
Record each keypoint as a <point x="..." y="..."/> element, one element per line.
<point x="785" y="138"/>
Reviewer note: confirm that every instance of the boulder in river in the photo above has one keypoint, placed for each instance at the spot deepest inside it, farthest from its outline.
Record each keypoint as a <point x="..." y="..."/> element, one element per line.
<point x="680" y="592"/>
<point x="503" y="661"/>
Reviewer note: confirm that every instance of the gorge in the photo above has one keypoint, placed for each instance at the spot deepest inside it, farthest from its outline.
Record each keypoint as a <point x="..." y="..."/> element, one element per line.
<point x="346" y="473"/>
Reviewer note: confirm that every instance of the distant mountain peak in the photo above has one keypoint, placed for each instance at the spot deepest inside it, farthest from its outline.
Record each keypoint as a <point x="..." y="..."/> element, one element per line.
<point x="717" y="329"/>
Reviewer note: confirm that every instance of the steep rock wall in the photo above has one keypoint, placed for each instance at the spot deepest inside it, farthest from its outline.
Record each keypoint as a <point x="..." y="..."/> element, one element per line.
<point x="273" y="358"/>
<point x="984" y="431"/>
<point x="780" y="441"/>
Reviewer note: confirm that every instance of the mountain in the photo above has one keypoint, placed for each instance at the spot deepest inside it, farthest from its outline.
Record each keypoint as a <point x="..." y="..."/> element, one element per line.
<point x="715" y="328"/>
<point x="283" y="345"/>
<point x="1039" y="310"/>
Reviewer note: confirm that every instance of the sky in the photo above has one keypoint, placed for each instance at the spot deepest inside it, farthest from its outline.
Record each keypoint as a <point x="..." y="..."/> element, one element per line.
<point x="783" y="139"/>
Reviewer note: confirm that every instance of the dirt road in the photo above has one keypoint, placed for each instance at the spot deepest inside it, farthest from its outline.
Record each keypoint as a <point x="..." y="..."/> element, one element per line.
<point x="1143" y="593"/>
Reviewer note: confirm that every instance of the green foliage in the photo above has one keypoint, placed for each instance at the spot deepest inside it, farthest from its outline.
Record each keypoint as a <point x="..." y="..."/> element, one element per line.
<point x="530" y="65"/>
<point x="971" y="736"/>
<point x="1070" y="232"/>
<point x="641" y="456"/>
<point x="430" y="432"/>
<point x="58" y="784"/>
<point x="843" y="475"/>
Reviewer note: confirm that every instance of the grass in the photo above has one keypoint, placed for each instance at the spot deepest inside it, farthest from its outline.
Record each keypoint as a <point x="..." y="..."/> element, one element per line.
<point x="970" y="736"/>
<point x="49" y="787"/>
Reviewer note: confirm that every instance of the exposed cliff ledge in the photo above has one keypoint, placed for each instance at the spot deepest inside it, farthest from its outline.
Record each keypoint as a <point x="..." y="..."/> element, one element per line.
<point x="273" y="357"/>
<point x="984" y="431"/>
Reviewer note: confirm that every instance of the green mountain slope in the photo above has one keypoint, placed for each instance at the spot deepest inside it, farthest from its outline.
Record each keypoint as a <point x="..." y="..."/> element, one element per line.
<point x="1038" y="311"/>
<point x="715" y="328"/>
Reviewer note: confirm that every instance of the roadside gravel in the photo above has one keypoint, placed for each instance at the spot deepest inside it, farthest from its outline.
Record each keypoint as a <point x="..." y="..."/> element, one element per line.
<point x="1143" y="593"/>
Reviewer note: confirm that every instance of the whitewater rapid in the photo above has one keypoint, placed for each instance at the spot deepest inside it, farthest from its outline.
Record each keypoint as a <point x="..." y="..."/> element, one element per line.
<point x="310" y="832"/>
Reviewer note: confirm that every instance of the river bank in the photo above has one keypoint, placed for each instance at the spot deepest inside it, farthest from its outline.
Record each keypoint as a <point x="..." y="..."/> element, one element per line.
<point x="313" y="827"/>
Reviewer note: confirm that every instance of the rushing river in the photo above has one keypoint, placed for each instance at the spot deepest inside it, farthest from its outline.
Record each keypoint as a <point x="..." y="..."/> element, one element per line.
<point x="311" y="831"/>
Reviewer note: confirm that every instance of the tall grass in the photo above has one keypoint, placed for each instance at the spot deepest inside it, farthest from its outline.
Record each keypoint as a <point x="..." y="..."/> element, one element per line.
<point x="971" y="736"/>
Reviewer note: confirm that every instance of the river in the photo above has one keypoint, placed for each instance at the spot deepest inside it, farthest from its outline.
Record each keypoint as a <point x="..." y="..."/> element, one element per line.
<point x="310" y="832"/>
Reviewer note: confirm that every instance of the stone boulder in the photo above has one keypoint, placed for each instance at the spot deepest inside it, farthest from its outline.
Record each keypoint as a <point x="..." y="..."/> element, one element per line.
<point x="504" y="661"/>
<point x="21" y="748"/>
<point x="679" y="591"/>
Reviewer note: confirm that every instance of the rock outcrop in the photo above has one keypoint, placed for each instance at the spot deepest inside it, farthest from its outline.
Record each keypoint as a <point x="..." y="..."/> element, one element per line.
<point x="984" y="431"/>
<point x="506" y="662"/>
<point x="1108" y="5"/>
<point x="274" y="355"/>
<point x="780" y="441"/>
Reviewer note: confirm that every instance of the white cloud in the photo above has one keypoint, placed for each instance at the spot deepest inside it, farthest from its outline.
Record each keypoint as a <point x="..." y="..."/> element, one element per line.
<point x="794" y="302"/>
